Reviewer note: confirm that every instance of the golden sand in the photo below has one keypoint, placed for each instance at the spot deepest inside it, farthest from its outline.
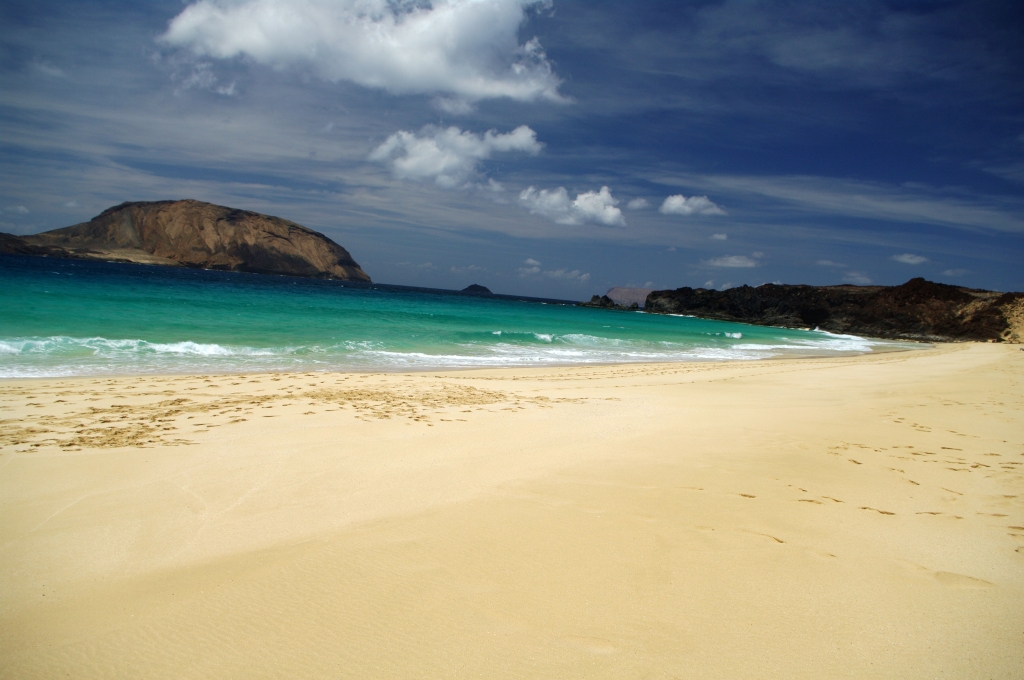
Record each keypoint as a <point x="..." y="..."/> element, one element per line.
<point x="857" y="517"/>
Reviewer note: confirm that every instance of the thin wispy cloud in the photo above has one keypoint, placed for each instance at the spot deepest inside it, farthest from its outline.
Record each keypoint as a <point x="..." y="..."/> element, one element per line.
<point x="732" y="261"/>
<point x="873" y="200"/>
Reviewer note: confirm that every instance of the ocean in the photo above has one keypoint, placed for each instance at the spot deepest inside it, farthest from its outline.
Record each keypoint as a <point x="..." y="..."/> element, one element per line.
<point x="79" y="318"/>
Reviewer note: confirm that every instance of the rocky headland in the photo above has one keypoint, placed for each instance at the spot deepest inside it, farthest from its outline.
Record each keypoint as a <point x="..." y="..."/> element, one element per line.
<point x="191" y="233"/>
<point x="915" y="310"/>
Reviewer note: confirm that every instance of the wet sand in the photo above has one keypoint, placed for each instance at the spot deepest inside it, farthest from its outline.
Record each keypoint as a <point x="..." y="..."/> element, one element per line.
<point x="855" y="517"/>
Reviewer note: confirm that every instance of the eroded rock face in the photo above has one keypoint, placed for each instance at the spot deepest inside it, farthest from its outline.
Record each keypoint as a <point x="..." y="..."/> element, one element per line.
<point x="916" y="310"/>
<point x="196" y="234"/>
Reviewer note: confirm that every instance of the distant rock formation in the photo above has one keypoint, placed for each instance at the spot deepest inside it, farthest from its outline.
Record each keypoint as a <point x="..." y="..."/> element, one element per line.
<point x="195" y="234"/>
<point x="477" y="289"/>
<point x="627" y="296"/>
<point x="605" y="302"/>
<point x="916" y="310"/>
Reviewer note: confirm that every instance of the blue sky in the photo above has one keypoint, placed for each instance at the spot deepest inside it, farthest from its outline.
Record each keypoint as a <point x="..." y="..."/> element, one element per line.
<point x="544" y="148"/>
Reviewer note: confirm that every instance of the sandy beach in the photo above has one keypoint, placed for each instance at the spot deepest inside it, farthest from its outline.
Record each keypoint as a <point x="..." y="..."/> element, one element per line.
<point x="815" y="518"/>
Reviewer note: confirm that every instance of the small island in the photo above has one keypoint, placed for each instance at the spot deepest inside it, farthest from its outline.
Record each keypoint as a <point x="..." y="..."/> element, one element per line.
<point x="194" y="234"/>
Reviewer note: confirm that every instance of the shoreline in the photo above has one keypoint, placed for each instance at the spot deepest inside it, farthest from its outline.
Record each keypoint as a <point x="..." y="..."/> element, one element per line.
<point x="889" y="347"/>
<point x="716" y="519"/>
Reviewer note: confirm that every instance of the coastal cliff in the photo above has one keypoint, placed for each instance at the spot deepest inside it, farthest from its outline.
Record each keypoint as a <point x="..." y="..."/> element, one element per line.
<point x="195" y="234"/>
<point x="916" y="310"/>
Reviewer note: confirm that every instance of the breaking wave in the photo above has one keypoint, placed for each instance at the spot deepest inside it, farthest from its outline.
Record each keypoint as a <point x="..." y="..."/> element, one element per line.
<point x="69" y="356"/>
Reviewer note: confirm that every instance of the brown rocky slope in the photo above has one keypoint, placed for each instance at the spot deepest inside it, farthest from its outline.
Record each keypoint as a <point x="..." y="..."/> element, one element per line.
<point x="195" y="234"/>
<point x="916" y="310"/>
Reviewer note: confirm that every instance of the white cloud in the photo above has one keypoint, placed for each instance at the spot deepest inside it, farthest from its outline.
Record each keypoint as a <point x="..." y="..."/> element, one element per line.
<point x="467" y="48"/>
<point x="858" y="278"/>
<point x="199" y="76"/>
<point x="532" y="267"/>
<point x="17" y="209"/>
<point x="908" y="258"/>
<point x="709" y="284"/>
<point x="591" y="207"/>
<point x="638" y="204"/>
<point x="720" y="237"/>
<point x="72" y="204"/>
<point x="732" y="261"/>
<point x="955" y="272"/>
<point x="694" y="205"/>
<point x="453" y="106"/>
<point x="449" y="156"/>
<point x="829" y="263"/>
<point x="574" y="275"/>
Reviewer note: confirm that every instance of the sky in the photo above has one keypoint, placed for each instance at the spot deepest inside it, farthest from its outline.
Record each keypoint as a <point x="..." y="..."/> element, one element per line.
<point x="554" y="148"/>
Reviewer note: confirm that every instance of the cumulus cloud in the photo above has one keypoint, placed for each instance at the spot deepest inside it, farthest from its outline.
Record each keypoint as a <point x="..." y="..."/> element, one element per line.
<point x="909" y="258"/>
<point x="694" y="205"/>
<point x="732" y="261"/>
<point x="829" y="263"/>
<point x="449" y="156"/>
<point x="720" y="237"/>
<point x="17" y="209"/>
<point x="955" y="272"/>
<point x="591" y="207"/>
<point x="638" y="204"/>
<point x="466" y="48"/>
<point x="532" y="267"/>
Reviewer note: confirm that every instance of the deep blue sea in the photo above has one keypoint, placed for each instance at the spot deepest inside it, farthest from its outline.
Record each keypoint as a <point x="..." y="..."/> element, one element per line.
<point x="76" y="317"/>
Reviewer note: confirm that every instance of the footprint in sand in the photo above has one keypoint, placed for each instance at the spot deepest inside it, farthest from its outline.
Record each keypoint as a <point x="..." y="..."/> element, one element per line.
<point x="881" y="512"/>
<point x="953" y="580"/>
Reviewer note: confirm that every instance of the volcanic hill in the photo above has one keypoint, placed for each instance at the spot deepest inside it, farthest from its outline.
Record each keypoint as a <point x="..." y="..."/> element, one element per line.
<point x="191" y="233"/>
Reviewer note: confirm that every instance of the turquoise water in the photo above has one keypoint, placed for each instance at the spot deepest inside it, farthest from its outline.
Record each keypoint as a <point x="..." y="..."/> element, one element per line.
<point x="72" y="317"/>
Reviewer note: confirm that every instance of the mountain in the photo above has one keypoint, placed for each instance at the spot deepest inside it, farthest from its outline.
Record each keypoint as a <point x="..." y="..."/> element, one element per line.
<point x="195" y="234"/>
<point x="916" y="310"/>
<point x="477" y="289"/>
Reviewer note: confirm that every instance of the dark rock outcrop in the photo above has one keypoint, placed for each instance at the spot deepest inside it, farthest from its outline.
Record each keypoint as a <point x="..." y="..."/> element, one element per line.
<point x="195" y="234"/>
<point x="605" y="302"/>
<point x="477" y="289"/>
<point x="916" y="310"/>
<point x="16" y="245"/>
